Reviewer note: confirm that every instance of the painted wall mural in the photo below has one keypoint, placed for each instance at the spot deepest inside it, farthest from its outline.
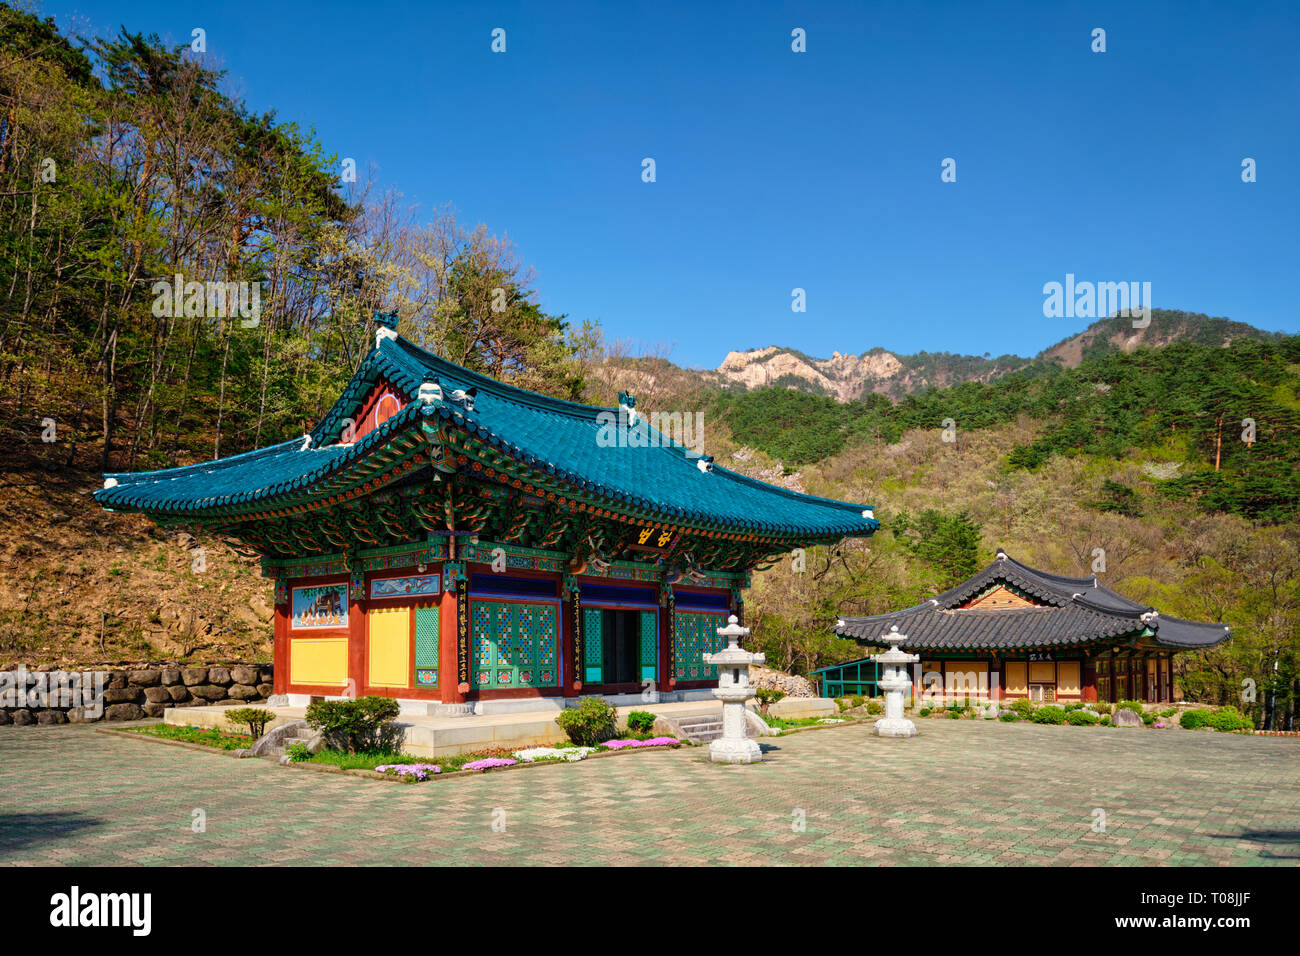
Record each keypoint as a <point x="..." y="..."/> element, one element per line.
<point x="320" y="606"/>
<point x="418" y="584"/>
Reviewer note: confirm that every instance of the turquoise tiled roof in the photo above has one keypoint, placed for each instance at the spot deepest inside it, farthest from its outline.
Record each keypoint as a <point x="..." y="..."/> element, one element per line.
<point x="552" y="436"/>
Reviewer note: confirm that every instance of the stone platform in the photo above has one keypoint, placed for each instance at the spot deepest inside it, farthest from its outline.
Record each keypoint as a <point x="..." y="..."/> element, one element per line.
<point x="428" y="735"/>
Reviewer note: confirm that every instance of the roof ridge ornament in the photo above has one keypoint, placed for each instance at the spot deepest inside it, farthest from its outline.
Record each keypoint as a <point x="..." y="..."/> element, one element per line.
<point x="704" y="463"/>
<point x="385" y="326"/>
<point x="306" y="443"/>
<point x="464" y="397"/>
<point x="627" y="405"/>
<point x="1001" y="555"/>
<point x="869" y="513"/>
<point x="430" y="393"/>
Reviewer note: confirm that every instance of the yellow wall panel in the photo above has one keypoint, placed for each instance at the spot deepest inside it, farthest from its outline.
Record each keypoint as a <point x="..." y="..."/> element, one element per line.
<point x="390" y="647"/>
<point x="1067" y="679"/>
<point x="1017" y="679"/>
<point x="1042" y="672"/>
<point x="318" y="660"/>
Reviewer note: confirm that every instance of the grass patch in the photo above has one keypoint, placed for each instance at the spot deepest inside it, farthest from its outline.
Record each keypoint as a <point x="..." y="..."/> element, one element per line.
<point x="785" y="723"/>
<point x="369" y="760"/>
<point x="217" y="739"/>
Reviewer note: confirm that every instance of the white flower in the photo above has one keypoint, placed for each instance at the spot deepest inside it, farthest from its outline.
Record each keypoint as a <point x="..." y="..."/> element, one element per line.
<point x="529" y="754"/>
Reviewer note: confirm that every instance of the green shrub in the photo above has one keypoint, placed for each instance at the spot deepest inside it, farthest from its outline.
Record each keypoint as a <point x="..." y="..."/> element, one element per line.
<point x="298" y="752"/>
<point x="1228" y="719"/>
<point x="592" y="722"/>
<point x="1195" y="719"/>
<point x="1105" y="720"/>
<point x="1101" y="706"/>
<point x="925" y="712"/>
<point x="255" y="718"/>
<point x="356" y="725"/>
<point x="1023" y="706"/>
<point x="1009" y="717"/>
<point x="1081" y="718"/>
<point x="640" y="721"/>
<point x="957" y="713"/>
<point x="875" y="707"/>
<point x="1074" y="706"/>
<point x="1049" y="714"/>
<point x="1168" y="711"/>
<point x="1148" y="719"/>
<point x="767" y="696"/>
<point x="1133" y="705"/>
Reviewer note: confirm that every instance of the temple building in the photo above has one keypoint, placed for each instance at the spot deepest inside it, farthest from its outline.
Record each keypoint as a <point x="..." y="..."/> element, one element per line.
<point x="448" y="540"/>
<point x="1013" y="631"/>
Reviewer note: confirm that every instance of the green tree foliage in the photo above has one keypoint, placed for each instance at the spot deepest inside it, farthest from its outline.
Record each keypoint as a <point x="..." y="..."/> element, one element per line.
<point x="948" y="544"/>
<point x="124" y="164"/>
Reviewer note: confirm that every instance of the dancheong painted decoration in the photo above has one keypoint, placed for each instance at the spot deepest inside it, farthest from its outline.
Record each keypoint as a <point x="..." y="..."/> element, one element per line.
<point x="442" y="536"/>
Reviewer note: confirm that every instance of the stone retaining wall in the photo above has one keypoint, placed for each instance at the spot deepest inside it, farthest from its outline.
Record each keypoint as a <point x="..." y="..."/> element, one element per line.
<point x="130" y="692"/>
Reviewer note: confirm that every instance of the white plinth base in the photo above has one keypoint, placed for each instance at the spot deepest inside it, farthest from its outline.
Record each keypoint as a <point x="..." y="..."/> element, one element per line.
<point x="895" y="727"/>
<point x="735" y="751"/>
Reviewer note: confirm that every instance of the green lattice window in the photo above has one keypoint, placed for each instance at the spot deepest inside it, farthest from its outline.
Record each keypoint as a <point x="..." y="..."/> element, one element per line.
<point x="694" y="635"/>
<point x="649" y="645"/>
<point x="592" y="645"/>
<point x="514" y="645"/>
<point x="426" y="646"/>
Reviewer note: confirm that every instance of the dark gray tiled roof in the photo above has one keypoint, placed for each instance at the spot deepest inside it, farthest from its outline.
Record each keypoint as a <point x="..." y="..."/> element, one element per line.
<point x="1073" y="611"/>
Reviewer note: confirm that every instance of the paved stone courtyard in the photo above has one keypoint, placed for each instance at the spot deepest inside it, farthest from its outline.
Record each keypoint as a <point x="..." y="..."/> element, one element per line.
<point x="964" y="792"/>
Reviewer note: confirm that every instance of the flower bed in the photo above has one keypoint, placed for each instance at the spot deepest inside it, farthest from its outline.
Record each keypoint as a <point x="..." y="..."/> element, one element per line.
<point x="649" y="742"/>
<point x="494" y="760"/>
<point x="420" y="771"/>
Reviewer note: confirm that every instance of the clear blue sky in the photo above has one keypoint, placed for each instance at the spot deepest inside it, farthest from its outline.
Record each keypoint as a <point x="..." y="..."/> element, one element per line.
<point x="818" y="170"/>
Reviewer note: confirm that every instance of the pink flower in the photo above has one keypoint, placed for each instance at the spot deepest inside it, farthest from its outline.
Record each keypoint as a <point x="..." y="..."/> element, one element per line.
<point x="489" y="762"/>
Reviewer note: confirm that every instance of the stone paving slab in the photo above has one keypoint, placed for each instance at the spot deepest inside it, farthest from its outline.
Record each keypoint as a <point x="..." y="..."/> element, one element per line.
<point x="963" y="793"/>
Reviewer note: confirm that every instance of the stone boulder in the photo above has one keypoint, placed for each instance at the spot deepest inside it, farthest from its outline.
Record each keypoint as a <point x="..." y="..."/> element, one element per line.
<point x="244" y="692"/>
<point x="208" y="692"/>
<point x="219" y="675"/>
<point x="145" y="678"/>
<point x="121" y="695"/>
<point x="265" y="690"/>
<point x="171" y="675"/>
<point x="4" y="716"/>
<point x="1126" y="718"/>
<point x="155" y="710"/>
<point x="243" y="675"/>
<point x="194" y="675"/>
<point x="21" y="717"/>
<point x="51" y="717"/>
<point x="158" y="695"/>
<point x="124" y="712"/>
<point x="178" y="693"/>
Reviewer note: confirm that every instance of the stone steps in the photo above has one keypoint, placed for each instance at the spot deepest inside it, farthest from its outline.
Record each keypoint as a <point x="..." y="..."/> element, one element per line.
<point x="701" y="729"/>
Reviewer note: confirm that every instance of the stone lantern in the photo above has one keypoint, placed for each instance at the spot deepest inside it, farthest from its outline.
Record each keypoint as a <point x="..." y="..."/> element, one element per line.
<point x="733" y="689"/>
<point x="894" y="682"/>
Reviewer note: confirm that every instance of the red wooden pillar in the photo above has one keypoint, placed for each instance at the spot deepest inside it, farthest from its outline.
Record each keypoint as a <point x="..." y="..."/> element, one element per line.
<point x="666" y="681"/>
<point x="448" y="644"/>
<point x="280" y="654"/>
<point x="356" y="646"/>
<point x="570" y="630"/>
<point x="1089" y="680"/>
